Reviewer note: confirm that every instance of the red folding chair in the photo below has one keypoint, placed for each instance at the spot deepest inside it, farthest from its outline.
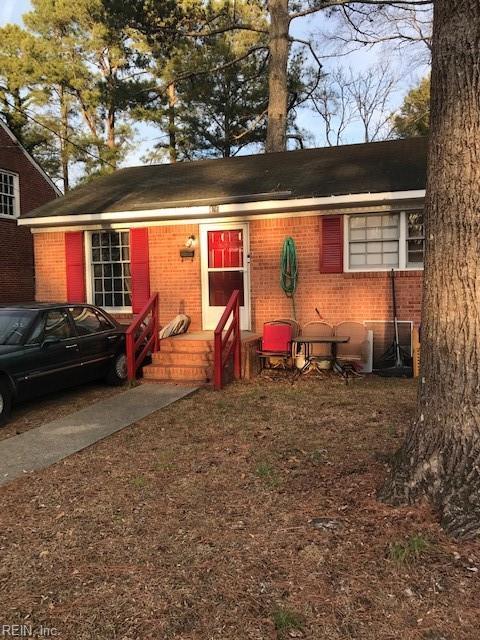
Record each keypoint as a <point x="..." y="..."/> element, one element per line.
<point x="276" y="346"/>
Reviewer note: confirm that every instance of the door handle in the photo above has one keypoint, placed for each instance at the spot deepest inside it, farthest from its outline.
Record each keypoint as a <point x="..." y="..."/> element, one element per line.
<point x="112" y="337"/>
<point x="71" y="346"/>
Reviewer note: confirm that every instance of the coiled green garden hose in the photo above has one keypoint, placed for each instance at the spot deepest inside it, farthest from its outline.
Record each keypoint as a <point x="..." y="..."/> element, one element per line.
<point x="289" y="270"/>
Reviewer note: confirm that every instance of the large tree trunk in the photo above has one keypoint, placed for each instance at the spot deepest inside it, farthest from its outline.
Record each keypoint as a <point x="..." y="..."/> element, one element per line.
<point x="441" y="455"/>
<point x="277" y="75"/>
<point x="64" y="150"/>
<point x="172" y="129"/>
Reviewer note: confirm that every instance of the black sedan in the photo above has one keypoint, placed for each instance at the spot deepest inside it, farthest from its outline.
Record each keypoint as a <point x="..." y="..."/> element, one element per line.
<point x="46" y="347"/>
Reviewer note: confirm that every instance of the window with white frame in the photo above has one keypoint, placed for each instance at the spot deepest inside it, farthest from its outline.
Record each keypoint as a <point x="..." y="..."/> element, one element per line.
<point x="373" y="241"/>
<point x="381" y="241"/>
<point x="8" y="194"/>
<point x="415" y="239"/>
<point x="110" y="269"/>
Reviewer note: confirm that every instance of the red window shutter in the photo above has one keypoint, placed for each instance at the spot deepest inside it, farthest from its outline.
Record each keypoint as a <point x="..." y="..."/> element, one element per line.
<point x="331" y="245"/>
<point x="140" y="268"/>
<point x="75" y="261"/>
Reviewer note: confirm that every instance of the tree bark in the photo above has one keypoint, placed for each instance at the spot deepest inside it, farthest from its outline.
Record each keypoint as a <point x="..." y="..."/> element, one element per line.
<point x="110" y="121"/>
<point x="172" y="131"/>
<point x="277" y="75"/>
<point x="441" y="454"/>
<point x="64" y="151"/>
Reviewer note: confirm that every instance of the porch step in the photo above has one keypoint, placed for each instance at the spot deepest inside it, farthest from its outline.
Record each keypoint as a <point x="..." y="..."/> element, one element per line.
<point x="189" y="358"/>
<point x="175" y="345"/>
<point x="193" y="373"/>
<point x="183" y="358"/>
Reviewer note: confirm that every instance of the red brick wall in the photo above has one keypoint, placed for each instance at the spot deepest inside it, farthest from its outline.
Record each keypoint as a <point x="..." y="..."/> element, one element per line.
<point x="345" y="296"/>
<point x="16" y="263"/>
<point x="50" y="267"/>
<point x="16" y="254"/>
<point x="177" y="280"/>
<point x="348" y="296"/>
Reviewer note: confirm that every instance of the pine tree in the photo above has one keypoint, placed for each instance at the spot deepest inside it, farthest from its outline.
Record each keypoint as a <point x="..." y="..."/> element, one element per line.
<point x="18" y="75"/>
<point x="413" y="117"/>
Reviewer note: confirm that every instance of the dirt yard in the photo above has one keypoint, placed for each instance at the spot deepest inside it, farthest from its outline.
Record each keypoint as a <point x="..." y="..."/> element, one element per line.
<point x="248" y="514"/>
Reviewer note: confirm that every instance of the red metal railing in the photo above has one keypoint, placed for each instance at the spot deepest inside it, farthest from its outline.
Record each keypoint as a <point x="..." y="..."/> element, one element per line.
<point x="223" y="345"/>
<point x="142" y="337"/>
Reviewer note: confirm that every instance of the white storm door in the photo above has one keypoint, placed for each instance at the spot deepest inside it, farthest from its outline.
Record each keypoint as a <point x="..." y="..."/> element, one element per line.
<point x="225" y="267"/>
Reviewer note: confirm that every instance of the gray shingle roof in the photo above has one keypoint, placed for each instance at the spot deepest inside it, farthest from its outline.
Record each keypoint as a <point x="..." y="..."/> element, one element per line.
<point x="393" y="165"/>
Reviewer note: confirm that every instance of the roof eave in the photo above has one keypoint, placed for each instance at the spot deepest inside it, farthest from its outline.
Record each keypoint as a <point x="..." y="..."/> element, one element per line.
<point x="221" y="210"/>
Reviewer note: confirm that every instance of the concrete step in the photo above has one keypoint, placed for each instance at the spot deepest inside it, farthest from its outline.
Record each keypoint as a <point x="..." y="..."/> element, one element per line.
<point x="195" y="373"/>
<point x="183" y="358"/>
<point x="175" y="345"/>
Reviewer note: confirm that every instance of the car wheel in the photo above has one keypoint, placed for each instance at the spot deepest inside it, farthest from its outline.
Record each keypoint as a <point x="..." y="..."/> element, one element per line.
<point x="5" y="402"/>
<point x="117" y="373"/>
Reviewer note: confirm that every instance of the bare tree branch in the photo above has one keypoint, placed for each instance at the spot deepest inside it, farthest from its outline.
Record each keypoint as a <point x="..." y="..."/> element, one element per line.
<point x="331" y="4"/>
<point x="364" y="98"/>
<point x="406" y="26"/>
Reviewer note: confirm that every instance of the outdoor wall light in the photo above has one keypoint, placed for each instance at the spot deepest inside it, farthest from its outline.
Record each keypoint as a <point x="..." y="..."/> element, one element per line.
<point x="189" y="251"/>
<point x="190" y="242"/>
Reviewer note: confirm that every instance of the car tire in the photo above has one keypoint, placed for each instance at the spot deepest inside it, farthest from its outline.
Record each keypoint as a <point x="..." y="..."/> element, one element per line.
<point x="117" y="374"/>
<point x="5" y="401"/>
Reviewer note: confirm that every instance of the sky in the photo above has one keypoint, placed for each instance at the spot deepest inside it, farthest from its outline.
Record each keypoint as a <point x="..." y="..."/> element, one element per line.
<point x="12" y="11"/>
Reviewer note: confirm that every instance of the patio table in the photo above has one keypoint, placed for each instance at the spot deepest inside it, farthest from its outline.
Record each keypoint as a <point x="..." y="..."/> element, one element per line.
<point x="309" y="341"/>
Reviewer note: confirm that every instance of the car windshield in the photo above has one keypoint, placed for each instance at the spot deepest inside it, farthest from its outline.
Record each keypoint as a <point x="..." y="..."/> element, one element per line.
<point x="14" y="324"/>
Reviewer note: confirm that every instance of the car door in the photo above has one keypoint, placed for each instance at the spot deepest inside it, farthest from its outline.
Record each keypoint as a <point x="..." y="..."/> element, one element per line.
<point x="98" y="340"/>
<point x="51" y="357"/>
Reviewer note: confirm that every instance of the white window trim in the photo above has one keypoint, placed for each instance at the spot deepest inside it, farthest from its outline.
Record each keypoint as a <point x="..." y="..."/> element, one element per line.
<point x="16" y="196"/>
<point x="402" y="246"/>
<point x="89" y="275"/>
<point x="413" y="267"/>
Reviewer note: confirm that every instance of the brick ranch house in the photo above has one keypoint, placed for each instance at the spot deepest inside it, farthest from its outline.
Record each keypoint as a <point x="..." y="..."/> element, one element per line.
<point x="24" y="186"/>
<point x="354" y="212"/>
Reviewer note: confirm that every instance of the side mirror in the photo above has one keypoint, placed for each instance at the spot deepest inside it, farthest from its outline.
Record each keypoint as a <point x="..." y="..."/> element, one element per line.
<point x="50" y="340"/>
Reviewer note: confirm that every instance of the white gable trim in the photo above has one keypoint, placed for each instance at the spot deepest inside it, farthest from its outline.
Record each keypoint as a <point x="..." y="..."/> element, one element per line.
<point x="30" y="158"/>
<point x="213" y="212"/>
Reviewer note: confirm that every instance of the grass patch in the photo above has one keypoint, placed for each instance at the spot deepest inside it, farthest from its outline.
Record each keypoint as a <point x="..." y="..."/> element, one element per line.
<point x="139" y="482"/>
<point x="165" y="462"/>
<point x="410" y="550"/>
<point x="318" y="456"/>
<point x="392" y="430"/>
<point x="286" y="620"/>
<point x="267" y="472"/>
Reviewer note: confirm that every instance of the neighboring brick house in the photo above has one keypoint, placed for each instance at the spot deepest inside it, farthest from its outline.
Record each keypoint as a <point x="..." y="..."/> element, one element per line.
<point x="24" y="186"/>
<point x="355" y="212"/>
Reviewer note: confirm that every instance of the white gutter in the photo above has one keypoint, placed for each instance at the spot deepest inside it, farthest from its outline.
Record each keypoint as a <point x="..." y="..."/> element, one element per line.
<point x="215" y="211"/>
